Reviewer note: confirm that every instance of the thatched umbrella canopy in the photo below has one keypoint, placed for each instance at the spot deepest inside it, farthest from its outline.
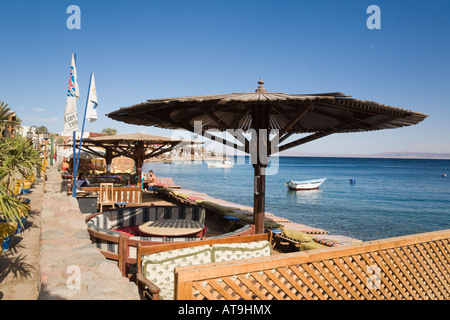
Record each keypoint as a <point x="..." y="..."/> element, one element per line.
<point x="318" y="115"/>
<point x="137" y="146"/>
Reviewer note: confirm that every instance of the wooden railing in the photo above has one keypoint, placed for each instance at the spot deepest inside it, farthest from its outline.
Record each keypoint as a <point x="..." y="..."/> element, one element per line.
<point x="412" y="267"/>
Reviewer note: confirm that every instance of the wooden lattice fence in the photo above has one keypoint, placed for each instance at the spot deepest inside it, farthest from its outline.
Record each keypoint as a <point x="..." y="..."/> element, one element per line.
<point x="410" y="267"/>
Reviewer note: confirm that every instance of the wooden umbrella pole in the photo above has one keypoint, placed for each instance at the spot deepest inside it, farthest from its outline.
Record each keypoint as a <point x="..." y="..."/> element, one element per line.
<point x="108" y="159"/>
<point x="260" y="120"/>
<point x="139" y="160"/>
<point x="259" y="197"/>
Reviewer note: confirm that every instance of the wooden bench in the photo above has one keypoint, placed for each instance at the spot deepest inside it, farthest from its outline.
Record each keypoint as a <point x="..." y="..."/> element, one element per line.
<point x="130" y="195"/>
<point x="156" y="265"/>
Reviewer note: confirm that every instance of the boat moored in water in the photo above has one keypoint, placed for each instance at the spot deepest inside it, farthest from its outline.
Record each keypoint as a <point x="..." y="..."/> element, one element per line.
<point x="223" y="164"/>
<point x="305" y="185"/>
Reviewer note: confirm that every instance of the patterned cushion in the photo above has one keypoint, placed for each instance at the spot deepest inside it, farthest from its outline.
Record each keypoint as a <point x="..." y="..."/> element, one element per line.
<point x="237" y="251"/>
<point x="327" y="242"/>
<point x="159" y="267"/>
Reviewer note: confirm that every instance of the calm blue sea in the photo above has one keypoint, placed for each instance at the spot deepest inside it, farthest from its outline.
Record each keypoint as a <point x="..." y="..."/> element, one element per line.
<point x="391" y="197"/>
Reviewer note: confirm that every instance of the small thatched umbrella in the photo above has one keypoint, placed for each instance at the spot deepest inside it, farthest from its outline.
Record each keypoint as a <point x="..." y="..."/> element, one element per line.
<point x="317" y="114"/>
<point x="137" y="146"/>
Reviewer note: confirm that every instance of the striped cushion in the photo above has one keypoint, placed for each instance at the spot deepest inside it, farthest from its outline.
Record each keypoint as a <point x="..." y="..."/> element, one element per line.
<point x="328" y="242"/>
<point x="125" y="217"/>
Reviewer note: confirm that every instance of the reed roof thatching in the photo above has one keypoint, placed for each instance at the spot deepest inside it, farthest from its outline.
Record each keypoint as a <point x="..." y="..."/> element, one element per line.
<point x="132" y="137"/>
<point x="315" y="112"/>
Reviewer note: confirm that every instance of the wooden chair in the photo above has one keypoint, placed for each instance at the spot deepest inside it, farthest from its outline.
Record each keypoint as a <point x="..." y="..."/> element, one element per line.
<point x="106" y="195"/>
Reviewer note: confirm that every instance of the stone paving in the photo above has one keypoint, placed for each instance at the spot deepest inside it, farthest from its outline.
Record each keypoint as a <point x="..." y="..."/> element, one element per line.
<point x="19" y="266"/>
<point x="62" y="262"/>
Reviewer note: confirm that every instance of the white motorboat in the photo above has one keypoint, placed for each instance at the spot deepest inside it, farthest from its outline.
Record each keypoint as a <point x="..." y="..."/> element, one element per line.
<point x="305" y="185"/>
<point x="222" y="164"/>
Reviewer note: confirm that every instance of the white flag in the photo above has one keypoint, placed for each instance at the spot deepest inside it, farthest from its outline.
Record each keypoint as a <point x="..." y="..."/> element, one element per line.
<point x="91" y="112"/>
<point x="73" y="94"/>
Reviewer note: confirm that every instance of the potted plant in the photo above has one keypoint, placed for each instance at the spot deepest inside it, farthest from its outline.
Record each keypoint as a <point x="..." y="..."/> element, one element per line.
<point x="18" y="160"/>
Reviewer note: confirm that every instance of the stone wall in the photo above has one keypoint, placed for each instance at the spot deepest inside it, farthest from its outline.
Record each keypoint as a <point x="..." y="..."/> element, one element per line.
<point x="70" y="265"/>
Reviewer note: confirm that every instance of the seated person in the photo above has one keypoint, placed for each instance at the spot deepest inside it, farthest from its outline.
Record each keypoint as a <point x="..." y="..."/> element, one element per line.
<point x="82" y="182"/>
<point x="151" y="179"/>
<point x="65" y="165"/>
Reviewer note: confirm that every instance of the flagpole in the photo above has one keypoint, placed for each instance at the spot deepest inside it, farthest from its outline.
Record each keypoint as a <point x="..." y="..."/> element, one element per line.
<point x="74" y="142"/>
<point x="74" y="162"/>
<point x="74" y="190"/>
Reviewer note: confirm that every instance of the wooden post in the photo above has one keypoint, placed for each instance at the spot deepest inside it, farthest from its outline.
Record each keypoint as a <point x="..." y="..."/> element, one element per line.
<point x="259" y="198"/>
<point x="260" y="121"/>
<point x="139" y="157"/>
<point x="123" y="254"/>
<point x="108" y="158"/>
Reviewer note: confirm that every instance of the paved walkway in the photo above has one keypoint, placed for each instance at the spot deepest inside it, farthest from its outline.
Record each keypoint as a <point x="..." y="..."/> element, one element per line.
<point x="54" y="259"/>
<point x="19" y="266"/>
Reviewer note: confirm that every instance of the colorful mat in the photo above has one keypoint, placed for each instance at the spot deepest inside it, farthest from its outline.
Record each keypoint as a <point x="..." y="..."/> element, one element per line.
<point x="322" y="238"/>
<point x="335" y="240"/>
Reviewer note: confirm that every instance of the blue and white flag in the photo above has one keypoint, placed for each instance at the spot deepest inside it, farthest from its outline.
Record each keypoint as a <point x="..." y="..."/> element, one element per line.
<point x="91" y="112"/>
<point x="73" y="94"/>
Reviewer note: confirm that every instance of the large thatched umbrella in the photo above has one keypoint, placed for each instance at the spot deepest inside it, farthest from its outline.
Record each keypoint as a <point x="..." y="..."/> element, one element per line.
<point x="137" y="146"/>
<point x="318" y="115"/>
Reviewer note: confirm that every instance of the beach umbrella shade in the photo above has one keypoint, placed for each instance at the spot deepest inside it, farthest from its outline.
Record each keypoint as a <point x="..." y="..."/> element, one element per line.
<point x="68" y="153"/>
<point x="137" y="146"/>
<point x="312" y="115"/>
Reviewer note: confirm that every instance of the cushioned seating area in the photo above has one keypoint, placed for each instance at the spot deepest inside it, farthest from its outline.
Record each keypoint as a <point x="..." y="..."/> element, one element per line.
<point x="237" y="251"/>
<point x="298" y="239"/>
<point x="159" y="267"/>
<point x="131" y="216"/>
<point x="121" y="220"/>
<point x="297" y="235"/>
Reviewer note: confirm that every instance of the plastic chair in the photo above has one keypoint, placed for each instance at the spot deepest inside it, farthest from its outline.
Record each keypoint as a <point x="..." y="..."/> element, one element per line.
<point x="106" y="197"/>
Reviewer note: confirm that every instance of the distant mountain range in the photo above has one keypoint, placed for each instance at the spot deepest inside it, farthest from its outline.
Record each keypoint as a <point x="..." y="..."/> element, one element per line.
<point x="412" y="155"/>
<point x="396" y="155"/>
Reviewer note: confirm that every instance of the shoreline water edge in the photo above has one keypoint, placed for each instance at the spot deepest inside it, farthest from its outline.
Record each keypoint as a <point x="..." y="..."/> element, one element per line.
<point x="388" y="197"/>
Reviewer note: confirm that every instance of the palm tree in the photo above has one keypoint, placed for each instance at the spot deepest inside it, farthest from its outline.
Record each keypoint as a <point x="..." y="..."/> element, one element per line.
<point x="5" y="114"/>
<point x="18" y="159"/>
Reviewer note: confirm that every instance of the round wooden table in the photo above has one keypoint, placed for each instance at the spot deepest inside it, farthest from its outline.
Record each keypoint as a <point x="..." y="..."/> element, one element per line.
<point x="171" y="228"/>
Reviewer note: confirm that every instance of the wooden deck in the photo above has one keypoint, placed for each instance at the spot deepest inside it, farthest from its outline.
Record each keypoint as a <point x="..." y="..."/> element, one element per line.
<point x="245" y="214"/>
<point x="151" y="198"/>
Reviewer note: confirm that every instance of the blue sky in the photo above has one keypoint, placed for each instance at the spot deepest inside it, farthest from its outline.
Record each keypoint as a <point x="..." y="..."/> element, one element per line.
<point x="141" y="50"/>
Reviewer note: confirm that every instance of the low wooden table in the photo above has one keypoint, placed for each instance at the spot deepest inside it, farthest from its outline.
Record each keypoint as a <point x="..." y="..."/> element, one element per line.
<point x="171" y="228"/>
